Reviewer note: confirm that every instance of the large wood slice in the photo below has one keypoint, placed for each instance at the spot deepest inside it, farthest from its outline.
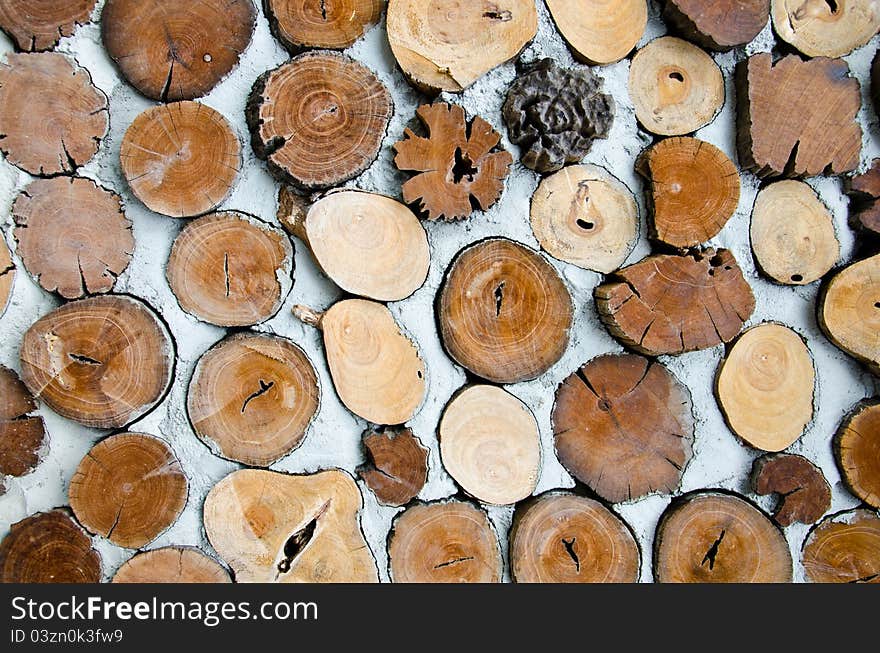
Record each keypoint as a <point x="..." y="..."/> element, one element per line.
<point x="504" y="313"/>
<point x="176" y="50"/>
<point x="252" y="398"/>
<point x="102" y="361"/>
<point x="565" y="538"/>
<point x="444" y="542"/>
<point x="825" y="28"/>
<point x="23" y="437"/>
<point x="397" y="465"/>
<point x="844" y="548"/>
<point x="180" y="159"/>
<point x="804" y="494"/>
<point x="7" y="276"/>
<point x="710" y="537"/>
<point x="598" y="31"/>
<point x="173" y="564"/>
<point x="446" y="45"/>
<point x="52" y="118"/>
<point x="333" y="24"/>
<point x="667" y="304"/>
<point x="864" y="194"/>
<point x="36" y="25"/>
<point x="624" y="426"/>
<point x="277" y="528"/>
<point x="230" y="269"/>
<point x="857" y="451"/>
<point x="319" y="119"/>
<point x="719" y="24"/>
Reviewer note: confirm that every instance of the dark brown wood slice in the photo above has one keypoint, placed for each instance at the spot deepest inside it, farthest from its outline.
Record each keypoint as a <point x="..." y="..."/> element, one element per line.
<point x="23" y="435"/>
<point x="173" y="564"/>
<point x="719" y="24"/>
<point x="39" y="24"/>
<point x="864" y="194"/>
<point x="857" y="451"/>
<point x="333" y="24"/>
<point x="844" y="548"/>
<point x="804" y="494"/>
<point x="397" y="465"/>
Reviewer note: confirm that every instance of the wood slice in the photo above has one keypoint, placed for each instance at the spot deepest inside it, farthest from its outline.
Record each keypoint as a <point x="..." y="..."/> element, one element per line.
<point x="600" y="31"/>
<point x="792" y="234"/>
<point x="176" y="50"/>
<point x="490" y="444"/>
<point x="445" y="542"/>
<point x="564" y="538"/>
<point x="676" y="88"/>
<point x="397" y="465"/>
<point x="667" y="304"/>
<point x="72" y="235"/>
<point x="292" y="209"/>
<point x="875" y="81"/>
<point x="504" y="312"/>
<point x="23" y="437"/>
<point x="624" y="426"/>
<point x="48" y="547"/>
<point x="446" y="45"/>
<point x="693" y="190"/>
<point x="710" y="537"/>
<point x="844" y="548"/>
<point x="779" y="134"/>
<point x="230" y="269"/>
<point x="277" y="528"/>
<point x="334" y="24"/>
<point x="857" y="451"/>
<point x="458" y="167"/>
<point x="72" y="119"/>
<point x="319" y="119"/>
<point x="180" y="159"/>
<point x="825" y="28"/>
<point x="376" y="368"/>
<point x="720" y="24"/>
<point x="7" y="276"/>
<point x="252" y="397"/>
<point x="39" y="24"/>
<point x="173" y="564"/>
<point x="102" y="361"/>
<point x="804" y="494"/>
<point x="864" y="197"/>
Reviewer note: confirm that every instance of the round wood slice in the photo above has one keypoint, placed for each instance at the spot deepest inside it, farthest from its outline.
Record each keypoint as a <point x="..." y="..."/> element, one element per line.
<point x="804" y="493"/>
<point x="49" y="547"/>
<point x="564" y="538"/>
<point x="52" y="118"/>
<point x="102" y="361"/>
<point x="333" y="24"/>
<point x="72" y="235"/>
<point x="445" y="542"/>
<point x="490" y="444"/>
<point x="176" y="50"/>
<point x="844" y="548"/>
<point x="39" y="24"/>
<point x="709" y="537"/>
<point x="277" y="528"/>
<point x="504" y="313"/>
<point x="676" y="88"/>
<point x="180" y="159"/>
<point x="7" y="276"/>
<point x="397" y="467"/>
<point x="319" y="119"/>
<point x="23" y="437"/>
<point x="792" y="234"/>
<point x="720" y="24"/>
<point x="129" y="488"/>
<point x="252" y="398"/>
<point x="586" y="216"/>
<point x="230" y="269"/>
<point x="600" y="31"/>
<point x="825" y="28"/>
<point x="173" y="564"/>
<point x="857" y="451"/>
<point x="446" y="45"/>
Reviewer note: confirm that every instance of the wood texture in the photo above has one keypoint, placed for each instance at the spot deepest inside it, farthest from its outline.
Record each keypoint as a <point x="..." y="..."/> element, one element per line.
<point x="823" y="28"/>
<point x="36" y="25"/>
<point x="333" y="24"/>
<point x="23" y="437"/>
<point x="600" y="31"/>
<point x="804" y="494"/>
<point x="720" y="24"/>
<point x="292" y="209"/>
<point x="864" y="194"/>
<point x="397" y="465"/>
<point x="844" y="548"/>
<point x="857" y="452"/>
<point x="7" y="276"/>
<point x="172" y="564"/>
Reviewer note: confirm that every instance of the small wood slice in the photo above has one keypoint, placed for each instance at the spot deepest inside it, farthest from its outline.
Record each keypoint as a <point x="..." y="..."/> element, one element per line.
<point x="844" y="548"/>
<point x="292" y="210"/>
<point x="693" y="190"/>
<point x="446" y="45"/>
<point x="277" y="528"/>
<point x="72" y="236"/>
<point x="180" y="159"/>
<point x="709" y="537"/>
<point x="129" y="488"/>
<point x="792" y="234"/>
<point x="864" y="194"/>
<point x="504" y="313"/>
<point x="230" y="269"/>
<point x="857" y="451"/>
<point x="102" y="361"/>
<point x="176" y="50"/>
<point x="397" y="465"/>
<point x="825" y="28"/>
<point x="252" y="397"/>
<point x="490" y="444"/>
<point x="173" y="564"/>
<point x="667" y="304"/>
<point x="7" y="276"/>
<point x="319" y="119"/>
<point x="52" y="118"/>
<point x="48" y="547"/>
<point x="598" y="31"/>
<point x="23" y="436"/>
<point x="804" y="494"/>
<point x="624" y="426"/>
<point x="720" y="24"/>
<point x="39" y="24"/>
<point x="564" y="538"/>
<point x="333" y="24"/>
<point x="445" y="542"/>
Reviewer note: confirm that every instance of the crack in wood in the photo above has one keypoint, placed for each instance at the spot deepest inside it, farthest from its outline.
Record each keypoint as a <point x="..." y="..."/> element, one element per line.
<point x="569" y="548"/>
<point x="712" y="553"/>
<point x="455" y="561"/>
<point x="264" y="388"/>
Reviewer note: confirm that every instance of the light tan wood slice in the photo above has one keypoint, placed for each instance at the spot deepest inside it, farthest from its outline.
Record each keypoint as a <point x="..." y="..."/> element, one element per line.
<point x="397" y="465"/>
<point x="825" y="28"/>
<point x="804" y="494"/>
<point x="600" y="31"/>
<point x="39" y="24"/>
<point x="172" y="564"/>
<point x="23" y="437"/>
<point x="857" y="451"/>
<point x="333" y="24"/>
<point x="844" y="548"/>
<point x="7" y="276"/>
<point x="718" y="24"/>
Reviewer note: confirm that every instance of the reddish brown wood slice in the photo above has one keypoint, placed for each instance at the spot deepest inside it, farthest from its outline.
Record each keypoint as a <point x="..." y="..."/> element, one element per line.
<point x="857" y="451"/>
<point x="804" y="494"/>
<point x="173" y="564"/>
<point x="7" y="276"/>
<point x="864" y="194"/>
<point x="23" y="435"/>
<point x="333" y="24"/>
<point x="844" y="548"/>
<point x="719" y="24"/>
<point x="397" y="465"/>
<point x="39" y="24"/>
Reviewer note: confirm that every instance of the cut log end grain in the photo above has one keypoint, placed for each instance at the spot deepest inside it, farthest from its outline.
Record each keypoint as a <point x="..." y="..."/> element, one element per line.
<point x="7" y="276"/>
<point x="36" y="25"/>
<point x="52" y="118"/>
<point x="23" y="436"/>
<point x="504" y="312"/>
<point x="624" y="426"/>
<point x="278" y="528"/>
<point x="176" y="50"/>
<point x="857" y="451"/>
<point x="173" y="564"/>
<point x="804" y="494"/>
<point x="720" y="24"/>
<point x="321" y="24"/>
<point x="864" y="194"/>
<point x="844" y="548"/>
<point x="446" y="542"/>
<point x="600" y="32"/>
<point x="456" y="168"/>
<point x="823" y="28"/>
<point x="709" y="537"/>
<point x="564" y="538"/>
<point x="252" y="397"/>
<point x="397" y="465"/>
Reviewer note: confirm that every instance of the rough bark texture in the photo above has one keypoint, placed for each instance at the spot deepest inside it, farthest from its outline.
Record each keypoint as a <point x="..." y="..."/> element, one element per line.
<point x="857" y="451"/>
<point x="600" y="32"/>
<point x="36" y="25"/>
<point x="23" y="436"/>
<point x="173" y="564"/>
<point x="719" y="24"/>
<point x="844" y="548"/>
<point x="864" y="194"/>
<point x="804" y="494"/>
<point x="825" y="28"/>
<point x="292" y="209"/>
<point x="397" y="465"/>
<point x="7" y="276"/>
<point x="333" y="24"/>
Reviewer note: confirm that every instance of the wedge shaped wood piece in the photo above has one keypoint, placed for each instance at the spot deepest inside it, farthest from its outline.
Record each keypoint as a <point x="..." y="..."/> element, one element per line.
<point x="23" y="436"/>
<point x="36" y="25"/>
<point x="719" y="24"/>
<point x="172" y="564"/>
<point x="598" y="31"/>
<point x="844" y="548"/>
<point x="804" y="493"/>
<point x="857" y="451"/>
<point x="822" y="28"/>
<point x="397" y="465"/>
<point x="321" y="24"/>
<point x="7" y="276"/>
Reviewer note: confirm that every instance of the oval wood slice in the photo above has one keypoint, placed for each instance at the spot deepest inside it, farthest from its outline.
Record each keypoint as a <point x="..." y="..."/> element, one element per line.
<point x="252" y="397"/>
<point x="23" y="437"/>
<point x="564" y="538"/>
<point x="804" y="493"/>
<point x="823" y="28"/>
<point x="864" y="189"/>
<point x="720" y="24"/>
<point x="71" y="120"/>
<point x="333" y="24"/>
<point x="277" y="528"/>
<point x="7" y="276"/>
<point x="844" y="548"/>
<point x="600" y="31"/>
<point x="36" y="25"/>
<point x="173" y="564"/>
<point x="857" y="451"/>
<point x="504" y="313"/>
<point x="490" y="444"/>
<point x="102" y="361"/>
<point x="230" y="269"/>
<point x="397" y="465"/>
<point x="709" y="537"/>
<point x="445" y="542"/>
